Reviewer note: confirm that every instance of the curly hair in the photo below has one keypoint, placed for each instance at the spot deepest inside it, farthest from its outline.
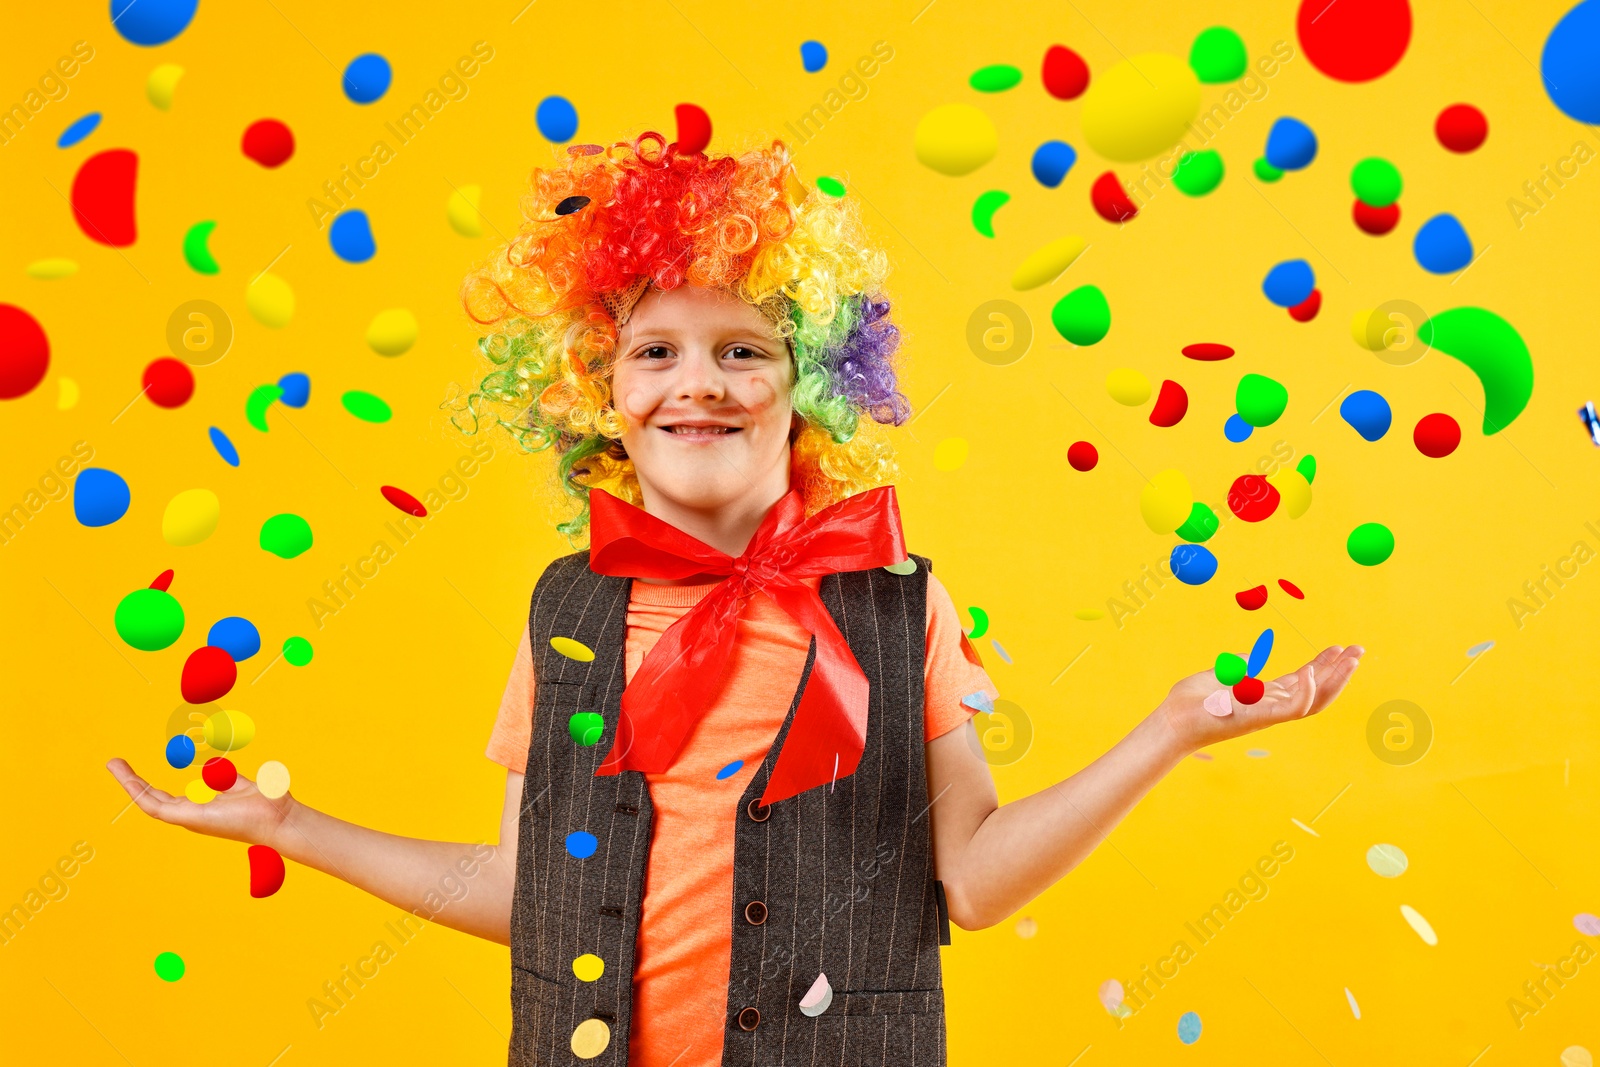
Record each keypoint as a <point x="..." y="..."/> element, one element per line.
<point x="643" y="209"/>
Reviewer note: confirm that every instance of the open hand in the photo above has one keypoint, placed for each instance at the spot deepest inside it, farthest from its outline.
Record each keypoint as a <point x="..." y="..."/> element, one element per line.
<point x="240" y="814"/>
<point x="1293" y="696"/>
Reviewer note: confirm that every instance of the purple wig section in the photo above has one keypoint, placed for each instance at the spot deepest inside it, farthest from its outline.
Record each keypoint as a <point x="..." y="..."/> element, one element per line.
<point x="862" y="366"/>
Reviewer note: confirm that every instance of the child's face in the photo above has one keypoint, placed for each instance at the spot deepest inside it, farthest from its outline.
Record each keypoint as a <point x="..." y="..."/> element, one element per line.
<point x="701" y="359"/>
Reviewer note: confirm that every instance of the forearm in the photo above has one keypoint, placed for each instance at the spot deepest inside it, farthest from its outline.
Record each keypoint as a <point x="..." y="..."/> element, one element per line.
<point x="464" y="886"/>
<point x="1024" y="847"/>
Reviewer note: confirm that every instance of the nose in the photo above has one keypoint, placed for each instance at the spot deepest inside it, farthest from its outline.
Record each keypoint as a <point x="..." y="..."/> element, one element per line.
<point x="699" y="377"/>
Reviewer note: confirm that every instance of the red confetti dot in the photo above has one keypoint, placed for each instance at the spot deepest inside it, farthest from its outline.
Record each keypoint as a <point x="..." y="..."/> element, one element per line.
<point x="1461" y="127"/>
<point x="24" y="352"/>
<point x="1376" y="220"/>
<point x="1172" y="403"/>
<point x="1207" y="353"/>
<point x="266" y="871"/>
<point x="102" y="197"/>
<point x="1248" y="690"/>
<point x="1307" y="309"/>
<point x="1110" y="199"/>
<point x="1083" y="456"/>
<point x="1354" y="40"/>
<point x="163" y="581"/>
<point x="1252" y="599"/>
<point x="168" y="382"/>
<point x="219" y="773"/>
<point x="208" y="674"/>
<point x="1252" y="497"/>
<point x="1292" y="589"/>
<point x="694" y="128"/>
<point x="1066" y="75"/>
<point x="404" y="501"/>
<point x="1436" y="435"/>
<point x="268" y="142"/>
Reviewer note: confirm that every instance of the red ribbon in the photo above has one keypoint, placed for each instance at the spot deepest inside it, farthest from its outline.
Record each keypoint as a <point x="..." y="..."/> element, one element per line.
<point x="678" y="681"/>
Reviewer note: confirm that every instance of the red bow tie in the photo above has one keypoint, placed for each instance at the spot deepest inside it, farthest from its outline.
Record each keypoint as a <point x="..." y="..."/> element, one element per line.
<point x="677" y="682"/>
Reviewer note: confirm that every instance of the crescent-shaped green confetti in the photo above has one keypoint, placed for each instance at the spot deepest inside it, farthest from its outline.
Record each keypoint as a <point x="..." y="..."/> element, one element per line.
<point x="1494" y="351"/>
<point x="196" y="252"/>
<point x="261" y="398"/>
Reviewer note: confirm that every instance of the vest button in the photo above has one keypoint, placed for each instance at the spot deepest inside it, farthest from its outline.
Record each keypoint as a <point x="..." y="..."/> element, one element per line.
<point x="748" y="1018"/>
<point x="755" y="913"/>
<point x="757" y="811"/>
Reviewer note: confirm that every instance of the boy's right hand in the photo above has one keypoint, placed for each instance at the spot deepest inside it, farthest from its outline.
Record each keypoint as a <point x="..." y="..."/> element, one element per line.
<point x="240" y="814"/>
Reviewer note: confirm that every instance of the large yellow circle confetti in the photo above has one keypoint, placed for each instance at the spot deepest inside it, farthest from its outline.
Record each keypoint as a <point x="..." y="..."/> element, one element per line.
<point x="956" y="139"/>
<point x="1128" y="386"/>
<point x="572" y="649"/>
<point x="1046" y="264"/>
<point x="1165" y="501"/>
<point x="191" y="517"/>
<point x="392" y="332"/>
<point x="462" y="211"/>
<point x="588" y="967"/>
<point x="270" y="300"/>
<point x="1140" y="107"/>
<point x="590" y="1038"/>
<point x="229" y="731"/>
<point x="199" y="792"/>
<point x="950" y="454"/>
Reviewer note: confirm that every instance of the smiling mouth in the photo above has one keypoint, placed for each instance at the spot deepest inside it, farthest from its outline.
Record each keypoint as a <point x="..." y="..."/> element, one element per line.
<point x="701" y="431"/>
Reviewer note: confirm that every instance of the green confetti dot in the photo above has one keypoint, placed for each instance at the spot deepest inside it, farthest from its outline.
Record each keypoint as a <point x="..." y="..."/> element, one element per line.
<point x="149" y="619"/>
<point x="1229" y="669"/>
<point x="905" y="566"/>
<point x="1260" y="400"/>
<point x="1370" y="544"/>
<point x="586" y="727"/>
<point x="195" y="252"/>
<point x="1200" y="525"/>
<point x="1307" y="468"/>
<point x="1197" y="173"/>
<point x="169" y="966"/>
<point x="985" y="206"/>
<point x="298" y="651"/>
<point x="256" y="404"/>
<point x="831" y="186"/>
<point x="1082" y="316"/>
<point x="1266" y="171"/>
<point x="365" y="406"/>
<point x="286" y="535"/>
<point x="1217" y="55"/>
<point x="995" y="79"/>
<point x="1376" y="182"/>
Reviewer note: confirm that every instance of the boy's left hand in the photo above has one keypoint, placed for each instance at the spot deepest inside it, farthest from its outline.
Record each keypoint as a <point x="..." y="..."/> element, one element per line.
<point x="1293" y="696"/>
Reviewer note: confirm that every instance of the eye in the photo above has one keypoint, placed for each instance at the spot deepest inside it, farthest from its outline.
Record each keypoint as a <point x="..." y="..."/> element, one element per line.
<point x="749" y="353"/>
<point x="649" y="353"/>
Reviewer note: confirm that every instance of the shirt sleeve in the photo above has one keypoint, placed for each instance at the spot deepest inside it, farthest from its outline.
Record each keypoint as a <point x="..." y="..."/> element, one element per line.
<point x="513" y="726"/>
<point x="952" y="672"/>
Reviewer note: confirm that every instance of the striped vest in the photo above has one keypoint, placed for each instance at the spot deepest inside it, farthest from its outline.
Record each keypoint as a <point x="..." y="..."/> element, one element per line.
<point x="836" y="882"/>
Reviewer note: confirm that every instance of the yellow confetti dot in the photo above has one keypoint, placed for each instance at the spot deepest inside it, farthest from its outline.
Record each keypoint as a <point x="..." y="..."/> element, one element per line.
<point x="588" y="967"/>
<point x="590" y="1038"/>
<point x="1293" y="488"/>
<point x="392" y="332"/>
<point x="572" y="649"/>
<point x="199" y="792"/>
<point x="1089" y="614"/>
<point x="1165" y="501"/>
<point x="161" y="84"/>
<point x="67" y="398"/>
<point x="229" y="731"/>
<point x="462" y="211"/>
<point x="50" y="269"/>
<point x="1128" y="386"/>
<point x="272" y="779"/>
<point x="1419" y="924"/>
<point x="950" y="454"/>
<point x="1576" y="1056"/>
<point x="1046" y="264"/>
<point x="1139" y="107"/>
<point x="191" y="517"/>
<point x="957" y="139"/>
<point x="270" y="300"/>
<point x="1027" y="927"/>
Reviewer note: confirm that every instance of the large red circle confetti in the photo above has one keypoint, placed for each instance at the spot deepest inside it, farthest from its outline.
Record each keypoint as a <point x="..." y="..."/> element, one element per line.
<point x="1110" y="199"/>
<point x="1171" y="405"/>
<point x="1354" y="40"/>
<point x="168" y="382"/>
<point x="1066" y="75"/>
<point x="24" y="352"/>
<point x="1461" y="127"/>
<point x="1248" y="690"/>
<point x="102" y="197"/>
<point x="1207" y="352"/>
<point x="266" y="871"/>
<point x="1252" y="599"/>
<point x="1307" y="309"/>
<point x="1376" y="220"/>
<point x="219" y="773"/>
<point x="404" y="501"/>
<point x="694" y="128"/>
<point x="208" y="674"/>
<point x="268" y="142"/>
<point x="1436" y="435"/>
<point x="1083" y="456"/>
<point x="1252" y="497"/>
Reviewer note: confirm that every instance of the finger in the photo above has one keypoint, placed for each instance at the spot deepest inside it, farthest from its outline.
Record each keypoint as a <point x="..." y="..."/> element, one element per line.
<point x="1291" y="701"/>
<point x="136" y="787"/>
<point x="1335" y="681"/>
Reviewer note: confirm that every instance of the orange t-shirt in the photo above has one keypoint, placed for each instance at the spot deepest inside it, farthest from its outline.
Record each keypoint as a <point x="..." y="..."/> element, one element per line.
<point x="685" y="944"/>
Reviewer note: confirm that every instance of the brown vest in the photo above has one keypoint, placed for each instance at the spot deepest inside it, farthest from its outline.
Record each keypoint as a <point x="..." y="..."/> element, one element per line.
<point x="836" y="882"/>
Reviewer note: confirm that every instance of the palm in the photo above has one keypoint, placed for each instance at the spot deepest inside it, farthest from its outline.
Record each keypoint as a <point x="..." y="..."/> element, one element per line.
<point x="240" y="814"/>
<point x="1293" y="696"/>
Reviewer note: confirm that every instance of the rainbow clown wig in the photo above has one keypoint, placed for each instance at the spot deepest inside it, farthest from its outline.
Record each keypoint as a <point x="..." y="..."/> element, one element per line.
<point x="606" y="223"/>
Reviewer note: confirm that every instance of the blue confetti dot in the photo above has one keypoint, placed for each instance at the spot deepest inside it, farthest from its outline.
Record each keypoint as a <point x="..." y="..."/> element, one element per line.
<point x="813" y="56"/>
<point x="1255" y="753"/>
<point x="296" y="389"/>
<point x="99" y="497"/>
<point x="1289" y="283"/>
<point x="1000" y="649"/>
<point x="1258" y="654"/>
<point x="180" y="751"/>
<point x="1051" y="162"/>
<point x="78" y="130"/>
<point x="1193" y="564"/>
<point x="1367" y="413"/>
<point x="367" y="78"/>
<point x="238" y="637"/>
<point x="1236" y="429"/>
<point x="581" y="843"/>
<point x="1290" y="144"/>
<point x="557" y="118"/>
<point x="979" y="701"/>
<point x="151" y="22"/>
<point x="351" y="237"/>
<point x="1570" y="74"/>
<point x="1189" y="1028"/>
<point x="224" y="447"/>
<point x="730" y="770"/>
<point x="1442" y="245"/>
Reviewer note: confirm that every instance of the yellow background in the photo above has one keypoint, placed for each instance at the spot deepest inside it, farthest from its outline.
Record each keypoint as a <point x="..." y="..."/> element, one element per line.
<point x="387" y="725"/>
